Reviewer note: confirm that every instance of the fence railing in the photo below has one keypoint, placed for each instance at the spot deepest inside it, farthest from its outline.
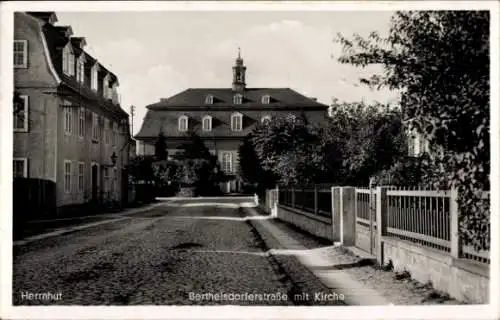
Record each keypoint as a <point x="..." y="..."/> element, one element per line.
<point x="429" y="218"/>
<point x="363" y="205"/>
<point x="421" y="216"/>
<point x="314" y="200"/>
<point x="426" y="217"/>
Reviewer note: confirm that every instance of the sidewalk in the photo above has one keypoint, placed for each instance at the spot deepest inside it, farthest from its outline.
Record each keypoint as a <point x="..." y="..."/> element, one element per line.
<point x="319" y="263"/>
<point x="343" y="272"/>
<point x="41" y="229"/>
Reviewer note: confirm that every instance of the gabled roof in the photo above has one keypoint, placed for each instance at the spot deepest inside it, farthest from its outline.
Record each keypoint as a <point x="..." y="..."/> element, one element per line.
<point x="252" y="97"/>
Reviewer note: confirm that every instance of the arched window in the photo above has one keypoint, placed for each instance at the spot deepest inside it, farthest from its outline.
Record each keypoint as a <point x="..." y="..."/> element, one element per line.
<point x="207" y="123"/>
<point x="265" y="119"/>
<point x="183" y="123"/>
<point x="209" y="99"/>
<point x="236" y="121"/>
<point x="266" y="99"/>
<point x="237" y="99"/>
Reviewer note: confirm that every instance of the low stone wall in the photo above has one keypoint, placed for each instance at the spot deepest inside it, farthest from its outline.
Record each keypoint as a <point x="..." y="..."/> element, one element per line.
<point x="317" y="225"/>
<point x="463" y="280"/>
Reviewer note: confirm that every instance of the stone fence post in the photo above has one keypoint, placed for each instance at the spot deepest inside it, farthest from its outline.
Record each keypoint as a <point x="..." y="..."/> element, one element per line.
<point x="336" y="227"/>
<point x="381" y="222"/>
<point x="274" y="203"/>
<point x="455" y="243"/>
<point x="348" y="216"/>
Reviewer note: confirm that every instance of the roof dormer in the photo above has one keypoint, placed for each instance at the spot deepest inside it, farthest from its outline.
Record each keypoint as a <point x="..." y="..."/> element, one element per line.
<point x="266" y="99"/>
<point x="79" y="42"/>
<point x="65" y="31"/>
<point x="209" y="99"/>
<point x="68" y="60"/>
<point x="238" y="98"/>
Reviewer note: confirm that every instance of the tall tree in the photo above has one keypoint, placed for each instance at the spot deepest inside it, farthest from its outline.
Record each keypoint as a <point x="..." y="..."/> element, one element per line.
<point x="161" y="153"/>
<point x="278" y="144"/>
<point x="251" y="169"/>
<point x="439" y="61"/>
<point x="195" y="148"/>
<point x="249" y="163"/>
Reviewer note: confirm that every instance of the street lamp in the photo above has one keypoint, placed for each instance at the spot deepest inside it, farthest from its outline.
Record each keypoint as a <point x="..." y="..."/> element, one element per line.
<point x="113" y="158"/>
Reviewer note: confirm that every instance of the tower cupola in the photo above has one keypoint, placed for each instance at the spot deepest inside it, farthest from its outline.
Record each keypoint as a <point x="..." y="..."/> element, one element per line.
<point x="239" y="71"/>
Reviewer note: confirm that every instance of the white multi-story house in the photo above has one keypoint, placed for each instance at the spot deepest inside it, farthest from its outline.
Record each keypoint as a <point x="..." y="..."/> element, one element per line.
<point x="70" y="129"/>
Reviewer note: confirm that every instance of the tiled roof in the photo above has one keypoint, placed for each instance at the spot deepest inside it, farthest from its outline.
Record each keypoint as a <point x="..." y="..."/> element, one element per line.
<point x="167" y="121"/>
<point x="279" y="97"/>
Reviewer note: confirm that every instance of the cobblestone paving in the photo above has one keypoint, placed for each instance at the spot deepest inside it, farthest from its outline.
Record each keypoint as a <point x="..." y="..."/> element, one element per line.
<point x="160" y="257"/>
<point x="399" y="291"/>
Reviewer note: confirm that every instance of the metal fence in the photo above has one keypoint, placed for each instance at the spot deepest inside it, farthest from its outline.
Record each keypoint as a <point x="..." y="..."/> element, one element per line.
<point x="424" y="217"/>
<point x="313" y="200"/>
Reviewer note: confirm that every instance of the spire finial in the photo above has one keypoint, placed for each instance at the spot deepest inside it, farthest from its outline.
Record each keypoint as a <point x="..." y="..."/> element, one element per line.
<point x="239" y="53"/>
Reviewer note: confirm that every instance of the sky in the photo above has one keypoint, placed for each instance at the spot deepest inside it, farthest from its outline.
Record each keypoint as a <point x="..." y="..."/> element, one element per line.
<point x="158" y="54"/>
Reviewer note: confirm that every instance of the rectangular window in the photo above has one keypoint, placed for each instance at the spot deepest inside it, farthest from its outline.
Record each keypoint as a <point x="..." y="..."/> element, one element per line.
<point x="68" y="120"/>
<point x="183" y="124"/>
<point x="71" y="64"/>
<point x="105" y="87"/>
<point x="21" y="114"/>
<point x="94" y="77"/>
<point x="236" y="123"/>
<point x="20" y="53"/>
<point x="65" y="61"/>
<point x="207" y="124"/>
<point x="20" y="167"/>
<point x="80" y="71"/>
<point x="209" y="99"/>
<point x="226" y="162"/>
<point x="67" y="176"/>
<point x="81" y="171"/>
<point x="238" y="99"/>
<point x="95" y="126"/>
<point x="81" y="123"/>
<point x="106" y="130"/>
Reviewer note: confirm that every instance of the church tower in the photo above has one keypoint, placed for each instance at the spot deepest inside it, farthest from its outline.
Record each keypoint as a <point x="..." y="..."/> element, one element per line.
<point x="239" y="74"/>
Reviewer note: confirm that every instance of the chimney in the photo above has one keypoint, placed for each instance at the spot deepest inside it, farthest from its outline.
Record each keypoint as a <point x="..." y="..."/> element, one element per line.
<point x="79" y="42"/>
<point x="163" y="99"/>
<point x="47" y="17"/>
<point x="65" y="31"/>
<point x="314" y="99"/>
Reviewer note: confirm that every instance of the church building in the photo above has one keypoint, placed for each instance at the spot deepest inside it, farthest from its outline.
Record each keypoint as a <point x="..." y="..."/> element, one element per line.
<point x="222" y="117"/>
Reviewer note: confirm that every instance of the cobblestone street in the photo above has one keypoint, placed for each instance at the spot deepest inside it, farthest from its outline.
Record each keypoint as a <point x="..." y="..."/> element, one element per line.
<point x="163" y="256"/>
